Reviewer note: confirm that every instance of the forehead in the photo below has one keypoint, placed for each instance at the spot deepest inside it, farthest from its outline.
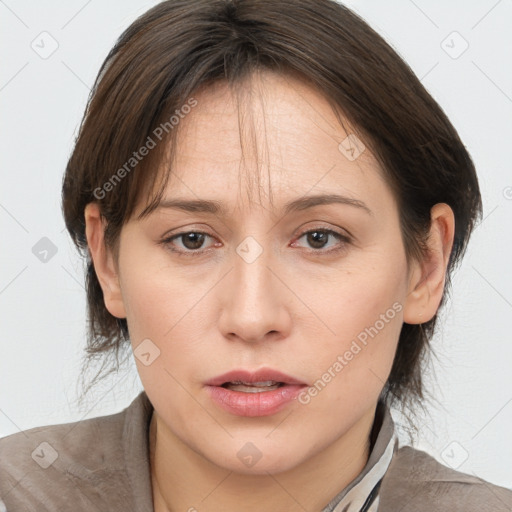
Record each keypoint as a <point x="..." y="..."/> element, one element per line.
<point x="273" y="133"/>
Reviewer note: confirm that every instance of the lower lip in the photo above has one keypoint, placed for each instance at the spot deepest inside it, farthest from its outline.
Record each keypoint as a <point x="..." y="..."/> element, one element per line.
<point x="263" y="403"/>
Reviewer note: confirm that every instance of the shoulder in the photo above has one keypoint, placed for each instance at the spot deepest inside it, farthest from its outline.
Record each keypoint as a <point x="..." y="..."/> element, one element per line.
<point x="71" y="464"/>
<point x="417" y="482"/>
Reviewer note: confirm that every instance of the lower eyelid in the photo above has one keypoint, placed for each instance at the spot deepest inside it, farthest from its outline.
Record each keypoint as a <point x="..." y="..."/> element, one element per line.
<point x="170" y="240"/>
<point x="341" y="237"/>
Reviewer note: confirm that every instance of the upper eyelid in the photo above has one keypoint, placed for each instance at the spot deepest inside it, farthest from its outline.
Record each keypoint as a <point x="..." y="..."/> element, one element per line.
<point x="341" y="236"/>
<point x="318" y="228"/>
<point x="342" y="231"/>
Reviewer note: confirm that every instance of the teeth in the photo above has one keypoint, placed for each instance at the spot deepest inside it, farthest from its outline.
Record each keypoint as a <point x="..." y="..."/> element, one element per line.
<point x="255" y="387"/>
<point x="264" y="383"/>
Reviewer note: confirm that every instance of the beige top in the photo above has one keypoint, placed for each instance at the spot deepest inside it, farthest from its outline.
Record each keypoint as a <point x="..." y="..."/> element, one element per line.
<point x="102" y="464"/>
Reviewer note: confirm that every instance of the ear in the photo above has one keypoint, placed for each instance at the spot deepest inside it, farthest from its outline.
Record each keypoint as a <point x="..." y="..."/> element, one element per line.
<point x="427" y="278"/>
<point x="103" y="260"/>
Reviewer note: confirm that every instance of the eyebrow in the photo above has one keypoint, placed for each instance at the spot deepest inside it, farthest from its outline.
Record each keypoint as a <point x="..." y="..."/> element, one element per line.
<point x="302" y="203"/>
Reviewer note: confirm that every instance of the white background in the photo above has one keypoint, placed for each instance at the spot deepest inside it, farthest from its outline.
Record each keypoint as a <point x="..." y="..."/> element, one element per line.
<point x="42" y="305"/>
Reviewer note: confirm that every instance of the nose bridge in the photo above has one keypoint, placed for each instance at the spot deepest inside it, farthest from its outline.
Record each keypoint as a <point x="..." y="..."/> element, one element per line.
<point x="253" y="256"/>
<point x="253" y="303"/>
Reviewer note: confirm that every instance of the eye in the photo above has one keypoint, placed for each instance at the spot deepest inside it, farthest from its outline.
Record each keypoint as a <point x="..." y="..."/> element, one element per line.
<point x="318" y="239"/>
<point x="192" y="242"/>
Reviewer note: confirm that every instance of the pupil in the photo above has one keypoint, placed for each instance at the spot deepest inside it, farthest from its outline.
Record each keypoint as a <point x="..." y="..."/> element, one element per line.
<point x="315" y="235"/>
<point x="195" y="240"/>
<point x="195" y="244"/>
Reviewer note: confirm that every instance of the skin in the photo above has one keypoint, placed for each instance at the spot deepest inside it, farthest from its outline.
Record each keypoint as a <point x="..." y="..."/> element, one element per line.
<point x="295" y="308"/>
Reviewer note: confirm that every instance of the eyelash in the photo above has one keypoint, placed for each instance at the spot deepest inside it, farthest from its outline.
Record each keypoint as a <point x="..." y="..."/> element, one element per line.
<point x="344" y="239"/>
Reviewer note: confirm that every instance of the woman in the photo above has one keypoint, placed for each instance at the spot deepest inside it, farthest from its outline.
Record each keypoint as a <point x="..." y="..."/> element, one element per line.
<point x="270" y="205"/>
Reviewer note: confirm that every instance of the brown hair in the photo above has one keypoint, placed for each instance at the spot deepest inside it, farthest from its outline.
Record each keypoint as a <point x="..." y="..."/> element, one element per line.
<point x="180" y="46"/>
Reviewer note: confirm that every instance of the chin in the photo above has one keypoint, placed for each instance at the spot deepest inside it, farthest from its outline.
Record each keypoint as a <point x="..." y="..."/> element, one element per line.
<point x="250" y="460"/>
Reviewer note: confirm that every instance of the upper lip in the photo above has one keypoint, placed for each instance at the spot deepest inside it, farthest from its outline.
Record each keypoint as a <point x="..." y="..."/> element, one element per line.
<point x="261" y="375"/>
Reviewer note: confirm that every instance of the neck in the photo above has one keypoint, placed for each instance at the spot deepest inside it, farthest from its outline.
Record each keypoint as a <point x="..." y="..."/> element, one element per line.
<point x="183" y="480"/>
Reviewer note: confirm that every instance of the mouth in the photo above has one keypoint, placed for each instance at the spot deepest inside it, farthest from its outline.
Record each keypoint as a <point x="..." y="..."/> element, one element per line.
<point x="260" y="379"/>
<point x="259" y="393"/>
<point x="256" y="387"/>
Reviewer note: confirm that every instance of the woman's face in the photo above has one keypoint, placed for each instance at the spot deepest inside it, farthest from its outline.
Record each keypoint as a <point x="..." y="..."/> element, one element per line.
<point x="314" y="291"/>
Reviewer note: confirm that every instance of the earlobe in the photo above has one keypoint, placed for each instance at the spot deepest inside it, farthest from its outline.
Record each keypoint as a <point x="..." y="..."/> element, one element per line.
<point x="103" y="260"/>
<point x="427" y="278"/>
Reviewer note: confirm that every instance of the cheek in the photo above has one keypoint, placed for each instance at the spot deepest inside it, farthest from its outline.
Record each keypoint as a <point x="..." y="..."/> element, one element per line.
<point x="357" y="296"/>
<point x="155" y="296"/>
<point x="362" y="317"/>
<point x="167" y="310"/>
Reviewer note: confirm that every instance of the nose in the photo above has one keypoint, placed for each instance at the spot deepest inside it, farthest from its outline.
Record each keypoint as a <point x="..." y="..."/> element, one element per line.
<point x="254" y="299"/>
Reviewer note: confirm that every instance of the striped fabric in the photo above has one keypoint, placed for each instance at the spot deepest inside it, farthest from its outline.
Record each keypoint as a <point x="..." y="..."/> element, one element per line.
<point x="362" y="494"/>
